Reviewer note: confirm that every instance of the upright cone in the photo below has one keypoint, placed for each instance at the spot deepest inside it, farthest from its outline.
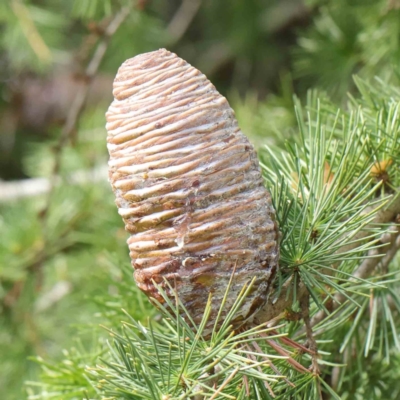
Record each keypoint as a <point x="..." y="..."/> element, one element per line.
<point x="188" y="187"/>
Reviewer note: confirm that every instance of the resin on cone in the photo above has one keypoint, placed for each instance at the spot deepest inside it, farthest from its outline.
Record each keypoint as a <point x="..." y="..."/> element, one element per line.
<point x="189" y="188"/>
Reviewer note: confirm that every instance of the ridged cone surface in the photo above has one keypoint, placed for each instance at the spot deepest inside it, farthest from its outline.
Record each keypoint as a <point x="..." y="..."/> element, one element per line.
<point x="188" y="187"/>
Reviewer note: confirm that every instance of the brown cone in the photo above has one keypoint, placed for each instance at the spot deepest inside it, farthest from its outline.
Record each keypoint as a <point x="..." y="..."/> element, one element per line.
<point x="188" y="187"/>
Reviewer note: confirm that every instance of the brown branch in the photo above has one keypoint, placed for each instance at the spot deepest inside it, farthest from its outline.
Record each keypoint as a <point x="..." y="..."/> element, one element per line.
<point x="280" y="301"/>
<point x="182" y="19"/>
<point x="305" y="312"/>
<point x="78" y="104"/>
<point x="391" y="253"/>
<point x="91" y="70"/>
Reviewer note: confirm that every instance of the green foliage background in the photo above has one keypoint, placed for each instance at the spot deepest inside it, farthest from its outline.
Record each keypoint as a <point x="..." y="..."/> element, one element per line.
<point x="64" y="273"/>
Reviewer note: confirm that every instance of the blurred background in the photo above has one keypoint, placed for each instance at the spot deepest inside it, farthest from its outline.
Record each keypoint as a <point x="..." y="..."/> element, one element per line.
<point x="63" y="258"/>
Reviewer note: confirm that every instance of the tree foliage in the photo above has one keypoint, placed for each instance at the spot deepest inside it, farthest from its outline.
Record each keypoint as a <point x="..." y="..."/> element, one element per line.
<point x="330" y="158"/>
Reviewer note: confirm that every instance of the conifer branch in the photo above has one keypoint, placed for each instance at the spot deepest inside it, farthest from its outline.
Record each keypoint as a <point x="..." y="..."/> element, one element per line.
<point x="283" y="300"/>
<point x="379" y="255"/>
<point x="69" y="128"/>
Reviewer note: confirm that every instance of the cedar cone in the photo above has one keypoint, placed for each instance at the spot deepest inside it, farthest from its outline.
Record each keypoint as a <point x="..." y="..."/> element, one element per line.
<point x="189" y="188"/>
